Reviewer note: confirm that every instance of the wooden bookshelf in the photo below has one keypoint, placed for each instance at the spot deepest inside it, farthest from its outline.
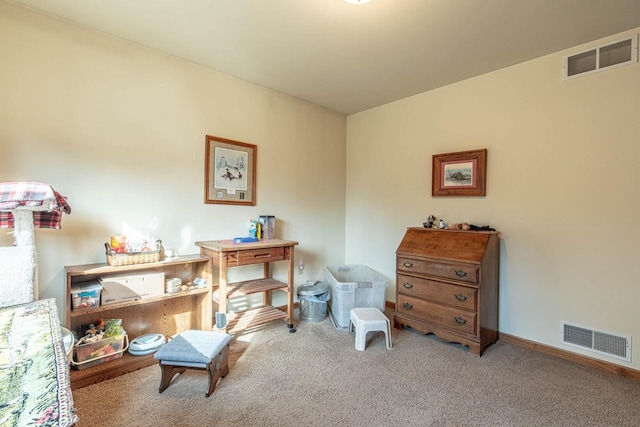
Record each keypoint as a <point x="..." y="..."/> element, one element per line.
<point x="168" y="314"/>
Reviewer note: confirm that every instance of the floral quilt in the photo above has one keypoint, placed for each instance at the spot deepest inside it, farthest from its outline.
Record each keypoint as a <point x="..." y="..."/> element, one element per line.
<point x="34" y="371"/>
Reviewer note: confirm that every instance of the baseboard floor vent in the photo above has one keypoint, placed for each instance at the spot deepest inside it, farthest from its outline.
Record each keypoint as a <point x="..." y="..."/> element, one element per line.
<point x="617" y="346"/>
<point x="600" y="58"/>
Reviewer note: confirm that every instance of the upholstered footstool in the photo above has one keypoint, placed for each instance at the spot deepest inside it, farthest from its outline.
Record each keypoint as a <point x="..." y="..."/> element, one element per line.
<point x="368" y="319"/>
<point x="194" y="349"/>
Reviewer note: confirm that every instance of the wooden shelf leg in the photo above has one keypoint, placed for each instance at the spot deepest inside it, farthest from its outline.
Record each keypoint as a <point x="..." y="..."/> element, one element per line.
<point x="222" y="287"/>
<point x="290" y="315"/>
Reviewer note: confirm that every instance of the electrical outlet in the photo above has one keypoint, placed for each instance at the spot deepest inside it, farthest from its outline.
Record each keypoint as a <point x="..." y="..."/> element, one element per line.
<point x="300" y="267"/>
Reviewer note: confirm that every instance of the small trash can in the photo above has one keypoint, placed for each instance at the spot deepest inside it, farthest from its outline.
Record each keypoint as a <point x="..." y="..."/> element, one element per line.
<point x="313" y="301"/>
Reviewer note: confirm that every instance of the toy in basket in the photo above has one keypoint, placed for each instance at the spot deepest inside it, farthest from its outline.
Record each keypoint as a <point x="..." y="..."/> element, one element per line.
<point x="140" y="255"/>
<point x="108" y="341"/>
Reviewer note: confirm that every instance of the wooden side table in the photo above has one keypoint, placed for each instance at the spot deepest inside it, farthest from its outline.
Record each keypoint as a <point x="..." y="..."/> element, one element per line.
<point x="225" y="254"/>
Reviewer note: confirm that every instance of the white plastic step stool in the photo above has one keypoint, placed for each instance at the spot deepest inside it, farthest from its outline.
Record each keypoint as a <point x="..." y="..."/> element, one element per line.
<point x="368" y="319"/>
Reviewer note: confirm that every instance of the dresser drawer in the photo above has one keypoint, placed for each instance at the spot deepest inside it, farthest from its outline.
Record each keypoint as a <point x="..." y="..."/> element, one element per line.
<point x="440" y="292"/>
<point x="255" y="256"/>
<point x="450" y="317"/>
<point x="462" y="272"/>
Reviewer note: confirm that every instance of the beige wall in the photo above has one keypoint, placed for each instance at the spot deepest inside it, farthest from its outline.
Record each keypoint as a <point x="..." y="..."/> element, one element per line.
<point x="563" y="188"/>
<point x="120" y="130"/>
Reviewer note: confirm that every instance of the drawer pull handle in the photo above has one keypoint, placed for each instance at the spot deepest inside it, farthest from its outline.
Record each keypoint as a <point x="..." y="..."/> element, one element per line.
<point x="407" y="285"/>
<point x="460" y="320"/>
<point x="408" y="264"/>
<point x="267" y="255"/>
<point x="461" y="273"/>
<point x="460" y="297"/>
<point x="407" y="306"/>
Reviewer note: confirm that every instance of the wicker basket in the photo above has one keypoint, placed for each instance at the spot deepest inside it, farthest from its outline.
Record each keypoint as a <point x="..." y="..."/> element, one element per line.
<point x="133" y="258"/>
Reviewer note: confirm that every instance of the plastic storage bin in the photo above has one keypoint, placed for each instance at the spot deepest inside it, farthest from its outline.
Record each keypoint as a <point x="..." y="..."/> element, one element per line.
<point x="353" y="286"/>
<point x="94" y="353"/>
<point x="85" y="295"/>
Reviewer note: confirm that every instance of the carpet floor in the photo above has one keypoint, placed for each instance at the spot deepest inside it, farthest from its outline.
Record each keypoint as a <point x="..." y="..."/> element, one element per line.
<point x="315" y="377"/>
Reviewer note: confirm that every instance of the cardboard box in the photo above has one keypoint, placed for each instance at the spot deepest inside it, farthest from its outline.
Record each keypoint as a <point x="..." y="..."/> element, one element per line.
<point x="115" y="292"/>
<point x="127" y="287"/>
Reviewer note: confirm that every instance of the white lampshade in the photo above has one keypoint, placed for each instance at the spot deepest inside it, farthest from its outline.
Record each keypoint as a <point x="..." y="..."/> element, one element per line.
<point x="357" y="1"/>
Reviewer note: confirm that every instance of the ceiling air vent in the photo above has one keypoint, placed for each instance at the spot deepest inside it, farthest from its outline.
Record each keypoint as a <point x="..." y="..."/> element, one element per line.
<point x="617" y="346"/>
<point x="605" y="57"/>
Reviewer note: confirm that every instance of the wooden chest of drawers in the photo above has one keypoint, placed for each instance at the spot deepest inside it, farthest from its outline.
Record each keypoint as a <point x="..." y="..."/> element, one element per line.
<point x="447" y="284"/>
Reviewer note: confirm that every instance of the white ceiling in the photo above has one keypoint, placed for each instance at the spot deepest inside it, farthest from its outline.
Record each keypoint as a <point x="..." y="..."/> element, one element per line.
<point x="349" y="58"/>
